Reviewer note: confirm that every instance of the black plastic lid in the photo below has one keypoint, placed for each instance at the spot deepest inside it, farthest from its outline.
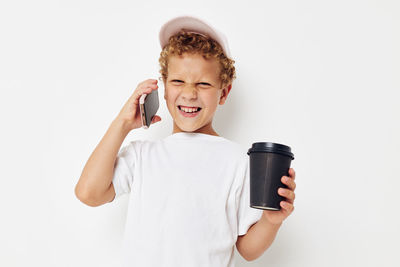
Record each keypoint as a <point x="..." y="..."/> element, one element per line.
<point x="271" y="147"/>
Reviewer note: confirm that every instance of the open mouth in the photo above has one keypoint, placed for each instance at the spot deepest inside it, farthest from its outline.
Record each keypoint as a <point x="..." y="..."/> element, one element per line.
<point x="189" y="110"/>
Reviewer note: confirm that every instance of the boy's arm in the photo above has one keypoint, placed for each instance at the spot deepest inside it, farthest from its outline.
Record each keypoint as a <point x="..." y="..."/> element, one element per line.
<point x="258" y="239"/>
<point x="95" y="187"/>
<point x="261" y="234"/>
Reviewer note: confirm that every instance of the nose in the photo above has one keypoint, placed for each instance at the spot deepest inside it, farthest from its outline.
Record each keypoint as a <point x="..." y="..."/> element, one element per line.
<point x="189" y="92"/>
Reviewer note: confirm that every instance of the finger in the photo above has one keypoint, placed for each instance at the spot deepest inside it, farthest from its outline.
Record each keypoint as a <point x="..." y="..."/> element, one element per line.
<point x="139" y="92"/>
<point x="155" y="119"/>
<point x="152" y="85"/>
<point x="145" y="84"/>
<point x="149" y="81"/>
<point x="289" y="182"/>
<point x="292" y="173"/>
<point x="288" y="194"/>
<point x="288" y="207"/>
<point x="148" y="89"/>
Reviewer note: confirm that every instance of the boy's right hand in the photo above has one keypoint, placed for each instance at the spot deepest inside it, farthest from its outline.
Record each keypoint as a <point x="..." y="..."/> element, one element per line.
<point x="130" y="113"/>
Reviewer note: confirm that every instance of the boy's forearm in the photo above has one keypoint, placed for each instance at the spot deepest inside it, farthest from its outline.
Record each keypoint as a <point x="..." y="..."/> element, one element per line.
<point x="97" y="174"/>
<point x="258" y="239"/>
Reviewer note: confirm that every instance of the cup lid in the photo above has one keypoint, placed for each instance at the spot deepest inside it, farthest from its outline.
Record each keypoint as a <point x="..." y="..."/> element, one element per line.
<point x="271" y="147"/>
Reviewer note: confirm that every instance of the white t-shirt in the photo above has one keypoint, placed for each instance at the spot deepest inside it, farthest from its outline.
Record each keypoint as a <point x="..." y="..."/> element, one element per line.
<point x="189" y="200"/>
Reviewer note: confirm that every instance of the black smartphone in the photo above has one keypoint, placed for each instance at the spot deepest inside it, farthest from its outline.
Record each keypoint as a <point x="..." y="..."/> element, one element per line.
<point x="148" y="107"/>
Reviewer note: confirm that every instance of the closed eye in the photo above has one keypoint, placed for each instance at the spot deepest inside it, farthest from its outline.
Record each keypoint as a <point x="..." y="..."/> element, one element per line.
<point x="205" y="84"/>
<point x="202" y="83"/>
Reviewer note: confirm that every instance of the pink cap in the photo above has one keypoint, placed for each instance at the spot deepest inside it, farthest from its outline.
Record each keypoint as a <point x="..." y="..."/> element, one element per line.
<point x="192" y="24"/>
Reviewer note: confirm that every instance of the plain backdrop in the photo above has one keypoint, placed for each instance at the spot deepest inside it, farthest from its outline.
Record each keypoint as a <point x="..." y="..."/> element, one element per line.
<point x="319" y="76"/>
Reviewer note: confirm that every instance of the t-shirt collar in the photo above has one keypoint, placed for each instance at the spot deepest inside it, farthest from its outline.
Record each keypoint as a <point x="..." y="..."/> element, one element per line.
<point x="193" y="135"/>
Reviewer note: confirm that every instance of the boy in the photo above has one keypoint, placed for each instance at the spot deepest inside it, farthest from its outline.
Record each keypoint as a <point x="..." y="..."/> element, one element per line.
<point x="189" y="201"/>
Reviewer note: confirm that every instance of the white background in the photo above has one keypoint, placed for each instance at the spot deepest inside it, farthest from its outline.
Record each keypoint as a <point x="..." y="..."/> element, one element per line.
<point x="319" y="76"/>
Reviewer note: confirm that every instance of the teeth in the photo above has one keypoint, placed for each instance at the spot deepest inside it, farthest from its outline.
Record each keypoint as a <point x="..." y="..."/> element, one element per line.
<point x="189" y="109"/>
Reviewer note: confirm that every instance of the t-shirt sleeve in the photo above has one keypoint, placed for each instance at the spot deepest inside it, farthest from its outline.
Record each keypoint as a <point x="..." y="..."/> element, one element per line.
<point x="247" y="216"/>
<point x="124" y="168"/>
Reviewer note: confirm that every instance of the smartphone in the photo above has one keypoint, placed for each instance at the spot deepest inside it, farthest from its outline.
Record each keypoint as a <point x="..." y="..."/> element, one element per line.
<point x="148" y="107"/>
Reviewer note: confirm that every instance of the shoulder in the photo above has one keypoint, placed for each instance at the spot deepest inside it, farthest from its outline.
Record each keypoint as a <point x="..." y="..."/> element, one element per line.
<point x="237" y="149"/>
<point x="141" y="145"/>
<point x="234" y="153"/>
<point x="133" y="147"/>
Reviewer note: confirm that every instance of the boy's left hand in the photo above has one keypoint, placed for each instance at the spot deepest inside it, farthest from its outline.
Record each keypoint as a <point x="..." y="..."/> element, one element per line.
<point x="277" y="216"/>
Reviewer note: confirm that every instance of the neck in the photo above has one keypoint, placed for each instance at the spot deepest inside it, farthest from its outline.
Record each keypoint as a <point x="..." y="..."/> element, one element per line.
<point x="206" y="129"/>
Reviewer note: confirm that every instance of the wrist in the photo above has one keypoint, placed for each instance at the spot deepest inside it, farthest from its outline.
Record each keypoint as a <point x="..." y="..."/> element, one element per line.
<point x="121" y="125"/>
<point x="266" y="220"/>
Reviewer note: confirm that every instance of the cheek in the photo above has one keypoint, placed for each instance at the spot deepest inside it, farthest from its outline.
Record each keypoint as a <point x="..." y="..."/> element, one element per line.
<point x="167" y="94"/>
<point x="170" y="97"/>
<point x="212" y="100"/>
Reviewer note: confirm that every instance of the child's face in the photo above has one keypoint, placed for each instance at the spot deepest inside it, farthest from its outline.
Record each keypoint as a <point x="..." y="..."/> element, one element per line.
<point x="194" y="82"/>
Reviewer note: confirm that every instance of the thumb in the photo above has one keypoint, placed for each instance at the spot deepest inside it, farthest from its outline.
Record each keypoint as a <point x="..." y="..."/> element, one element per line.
<point x="156" y="119"/>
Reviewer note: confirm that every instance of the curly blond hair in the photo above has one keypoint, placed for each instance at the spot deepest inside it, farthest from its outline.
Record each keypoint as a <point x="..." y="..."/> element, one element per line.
<point x="193" y="43"/>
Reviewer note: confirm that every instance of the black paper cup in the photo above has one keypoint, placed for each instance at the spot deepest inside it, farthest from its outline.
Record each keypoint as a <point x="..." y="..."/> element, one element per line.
<point x="268" y="163"/>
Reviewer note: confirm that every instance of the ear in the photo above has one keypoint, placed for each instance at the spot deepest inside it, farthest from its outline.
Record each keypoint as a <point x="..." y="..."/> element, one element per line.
<point x="224" y="94"/>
